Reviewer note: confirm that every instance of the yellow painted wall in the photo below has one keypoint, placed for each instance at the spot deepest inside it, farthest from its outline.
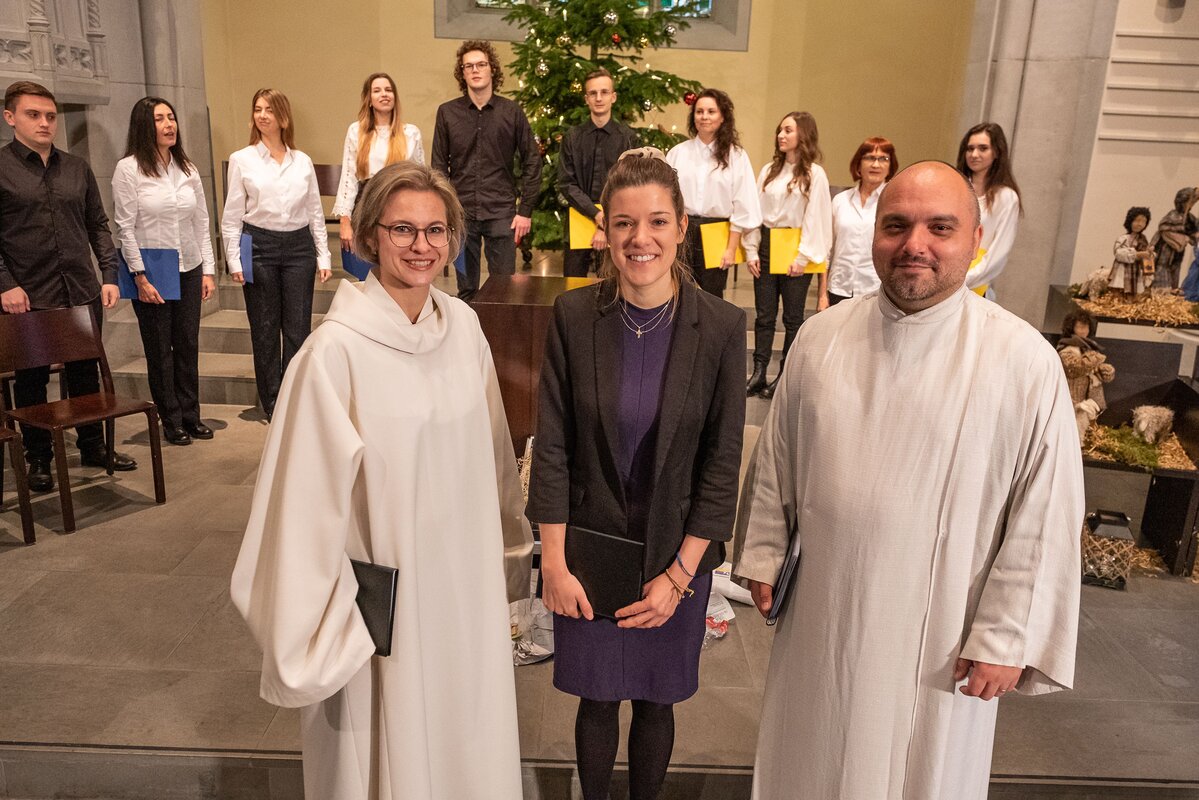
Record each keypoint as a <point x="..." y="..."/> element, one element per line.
<point x="866" y="68"/>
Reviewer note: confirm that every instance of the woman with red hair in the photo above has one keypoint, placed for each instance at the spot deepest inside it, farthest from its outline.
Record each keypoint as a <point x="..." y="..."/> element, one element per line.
<point x="851" y="264"/>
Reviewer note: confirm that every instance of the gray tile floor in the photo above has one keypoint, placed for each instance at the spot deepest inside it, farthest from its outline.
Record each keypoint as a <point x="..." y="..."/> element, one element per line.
<point x="122" y="635"/>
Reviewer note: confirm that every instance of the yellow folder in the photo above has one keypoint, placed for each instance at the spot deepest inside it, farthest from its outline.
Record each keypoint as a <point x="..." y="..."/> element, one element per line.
<point x="582" y="230"/>
<point x="784" y="247"/>
<point x="981" y="290"/>
<point x="715" y="238"/>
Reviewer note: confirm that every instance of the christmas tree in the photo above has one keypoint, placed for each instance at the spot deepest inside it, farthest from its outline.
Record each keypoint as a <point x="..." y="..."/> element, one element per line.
<point x="564" y="41"/>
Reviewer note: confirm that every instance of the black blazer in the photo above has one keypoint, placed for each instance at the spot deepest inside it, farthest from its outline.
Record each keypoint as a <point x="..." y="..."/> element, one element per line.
<point x="575" y="478"/>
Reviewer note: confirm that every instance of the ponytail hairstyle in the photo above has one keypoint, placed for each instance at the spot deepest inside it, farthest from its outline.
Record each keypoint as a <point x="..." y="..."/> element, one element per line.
<point x="645" y="166"/>
<point x="807" y="152"/>
<point x="397" y="146"/>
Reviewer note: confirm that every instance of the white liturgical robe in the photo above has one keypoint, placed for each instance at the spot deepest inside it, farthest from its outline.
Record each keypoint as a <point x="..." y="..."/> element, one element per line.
<point x="389" y="444"/>
<point x="930" y="466"/>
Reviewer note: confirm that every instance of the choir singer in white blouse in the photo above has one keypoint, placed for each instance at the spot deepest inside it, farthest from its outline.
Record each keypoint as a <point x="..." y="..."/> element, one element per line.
<point x="793" y="193"/>
<point x="158" y="204"/>
<point x="377" y="138"/>
<point x="851" y="265"/>
<point x="718" y="185"/>
<point x="273" y="211"/>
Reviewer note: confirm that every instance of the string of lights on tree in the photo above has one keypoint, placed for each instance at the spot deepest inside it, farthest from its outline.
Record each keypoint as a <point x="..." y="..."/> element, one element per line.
<point x="564" y="41"/>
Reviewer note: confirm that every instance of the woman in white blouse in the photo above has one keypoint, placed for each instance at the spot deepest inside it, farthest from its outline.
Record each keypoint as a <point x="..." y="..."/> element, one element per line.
<point x="793" y="194"/>
<point x="718" y="186"/>
<point x="273" y="216"/>
<point x="983" y="158"/>
<point x="159" y="205"/>
<point x="851" y="265"/>
<point x="372" y="142"/>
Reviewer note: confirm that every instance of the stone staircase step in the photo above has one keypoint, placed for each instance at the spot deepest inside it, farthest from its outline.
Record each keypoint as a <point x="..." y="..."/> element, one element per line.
<point x="224" y="378"/>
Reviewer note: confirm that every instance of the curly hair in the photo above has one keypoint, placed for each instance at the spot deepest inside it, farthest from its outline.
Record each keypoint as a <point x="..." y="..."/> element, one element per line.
<point x="493" y="58"/>
<point x="1133" y="213"/>
<point x="726" y="135"/>
<point x="1075" y="317"/>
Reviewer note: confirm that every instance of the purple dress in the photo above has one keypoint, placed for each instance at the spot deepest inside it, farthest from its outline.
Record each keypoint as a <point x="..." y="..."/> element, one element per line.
<point x="596" y="659"/>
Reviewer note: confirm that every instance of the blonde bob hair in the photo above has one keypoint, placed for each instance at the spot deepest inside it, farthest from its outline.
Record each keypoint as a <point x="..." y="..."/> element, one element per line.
<point x="644" y="166"/>
<point x="405" y="176"/>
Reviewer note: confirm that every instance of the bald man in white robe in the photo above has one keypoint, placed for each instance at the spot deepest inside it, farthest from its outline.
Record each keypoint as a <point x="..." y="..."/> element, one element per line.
<point x="922" y="449"/>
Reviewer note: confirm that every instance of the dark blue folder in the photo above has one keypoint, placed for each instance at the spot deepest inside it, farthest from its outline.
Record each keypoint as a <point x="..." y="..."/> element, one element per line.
<point x="358" y="267"/>
<point x="247" y="257"/>
<point x="460" y="261"/>
<point x="162" y="270"/>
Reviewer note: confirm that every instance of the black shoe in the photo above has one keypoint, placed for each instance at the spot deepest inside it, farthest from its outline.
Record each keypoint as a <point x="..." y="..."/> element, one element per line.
<point x="198" y="430"/>
<point x="757" y="381"/>
<point x="768" y="392"/>
<point x="99" y="458"/>
<point x="41" y="479"/>
<point x="176" y="436"/>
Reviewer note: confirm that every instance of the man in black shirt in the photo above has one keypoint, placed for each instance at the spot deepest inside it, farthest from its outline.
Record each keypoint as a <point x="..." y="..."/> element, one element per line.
<point x="51" y="220"/>
<point x="588" y="152"/>
<point x="476" y="139"/>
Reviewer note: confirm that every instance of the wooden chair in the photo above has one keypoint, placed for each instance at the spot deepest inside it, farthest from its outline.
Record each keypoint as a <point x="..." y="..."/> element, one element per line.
<point x="17" y="456"/>
<point x="39" y="338"/>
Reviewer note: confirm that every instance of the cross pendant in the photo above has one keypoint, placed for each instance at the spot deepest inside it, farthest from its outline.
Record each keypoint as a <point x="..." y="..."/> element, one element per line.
<point x="638" y="333"/>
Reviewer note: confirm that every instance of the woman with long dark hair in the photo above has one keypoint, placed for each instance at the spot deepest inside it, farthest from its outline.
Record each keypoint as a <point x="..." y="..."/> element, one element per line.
<point x="657" y="365"/>
<point x="793" y="193"/>
<point x="377" y="138"/>
<point x="718" y="186"/>
<point x="851" y="262"/>
<point x="273" y="215"/>
<point x="984" y="158"/>
<point x="158" y="204"/>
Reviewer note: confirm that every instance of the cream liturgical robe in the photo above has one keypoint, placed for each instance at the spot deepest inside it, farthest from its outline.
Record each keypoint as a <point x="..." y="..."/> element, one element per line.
<point x="930" y="464"/>
<point x="388" y="444"/>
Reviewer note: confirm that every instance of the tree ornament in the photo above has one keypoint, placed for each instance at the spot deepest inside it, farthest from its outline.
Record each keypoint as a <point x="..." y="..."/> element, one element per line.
<point x="576" y="86"/>
<point x="558" y="137"/>
<point x="564" y="40"/>
<point x="647" y="104"/>
<point x="671" y="29"/>
<point x="542" y="69"/>
<point x="689" y="98"/>
<point x="616" y="38"/>
<point x="547" y="110"/>
<point x="643" y="41"/>
<point x="611" y="18"/>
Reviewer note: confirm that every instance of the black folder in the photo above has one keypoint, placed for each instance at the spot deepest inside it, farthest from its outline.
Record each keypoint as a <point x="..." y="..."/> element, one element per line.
<point x="377" y="601"/>
<point x="608" y="567"/>
<point x="783" y="586"/>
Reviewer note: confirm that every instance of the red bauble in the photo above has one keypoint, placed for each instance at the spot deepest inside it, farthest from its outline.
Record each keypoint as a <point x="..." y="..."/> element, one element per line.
<point x="616" y="38"/>
<point x="689" y="98"/>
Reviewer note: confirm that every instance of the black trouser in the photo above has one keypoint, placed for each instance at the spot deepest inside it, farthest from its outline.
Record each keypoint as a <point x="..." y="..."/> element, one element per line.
<point x="81" y="377"/>
<point x="767" y="290"/>
<point x="578" y="263"/>
<point x="171" y="338"/>
<point x="834" y="298"/>
<point x="711" y="281"/>
<point x="279" y="301"/>
<point x="496" y="235"/>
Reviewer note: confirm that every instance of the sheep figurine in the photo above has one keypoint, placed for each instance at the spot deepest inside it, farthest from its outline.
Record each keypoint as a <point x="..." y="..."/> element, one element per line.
<point x="1096" y="283"/>
<point x="1152" y="423"/>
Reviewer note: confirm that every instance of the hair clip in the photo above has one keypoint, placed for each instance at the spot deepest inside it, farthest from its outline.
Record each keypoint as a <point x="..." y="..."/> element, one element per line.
<point x="644" y="152"/>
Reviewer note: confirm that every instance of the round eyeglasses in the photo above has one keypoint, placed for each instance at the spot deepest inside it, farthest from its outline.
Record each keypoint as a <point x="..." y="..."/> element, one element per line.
<point x="404" y="235"/>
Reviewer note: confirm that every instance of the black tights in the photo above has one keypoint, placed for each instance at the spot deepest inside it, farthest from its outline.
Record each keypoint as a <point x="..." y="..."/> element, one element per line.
<point x="651" y="740"/>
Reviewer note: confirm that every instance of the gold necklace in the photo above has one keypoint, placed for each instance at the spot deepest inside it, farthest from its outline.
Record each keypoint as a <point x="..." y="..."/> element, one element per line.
<point x="656" y="319"/>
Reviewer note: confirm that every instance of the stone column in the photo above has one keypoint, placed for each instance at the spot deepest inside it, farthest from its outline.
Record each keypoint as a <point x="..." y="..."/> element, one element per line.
<point x="1037" y="68"/>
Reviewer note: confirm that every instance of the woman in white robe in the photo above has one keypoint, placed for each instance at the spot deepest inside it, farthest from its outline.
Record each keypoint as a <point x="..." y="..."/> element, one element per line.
<point x="389" y="413"/>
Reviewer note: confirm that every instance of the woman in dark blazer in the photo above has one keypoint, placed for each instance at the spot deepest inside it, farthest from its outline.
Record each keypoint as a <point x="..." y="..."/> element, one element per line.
<point x="639" y="436"/>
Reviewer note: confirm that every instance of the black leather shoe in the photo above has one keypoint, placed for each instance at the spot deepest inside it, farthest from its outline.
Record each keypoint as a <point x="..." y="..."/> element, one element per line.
<point x="770" y="389"/>
<point x="41" y="479"/>
<point x="198" y="430"/>
<point x="99" y="458"/>
<point x="757" y="381"/>
<point x="176" y="436"/>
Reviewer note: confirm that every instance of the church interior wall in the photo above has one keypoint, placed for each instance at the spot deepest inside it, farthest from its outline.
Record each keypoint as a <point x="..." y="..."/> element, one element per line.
<point x="1146" y="147"/>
